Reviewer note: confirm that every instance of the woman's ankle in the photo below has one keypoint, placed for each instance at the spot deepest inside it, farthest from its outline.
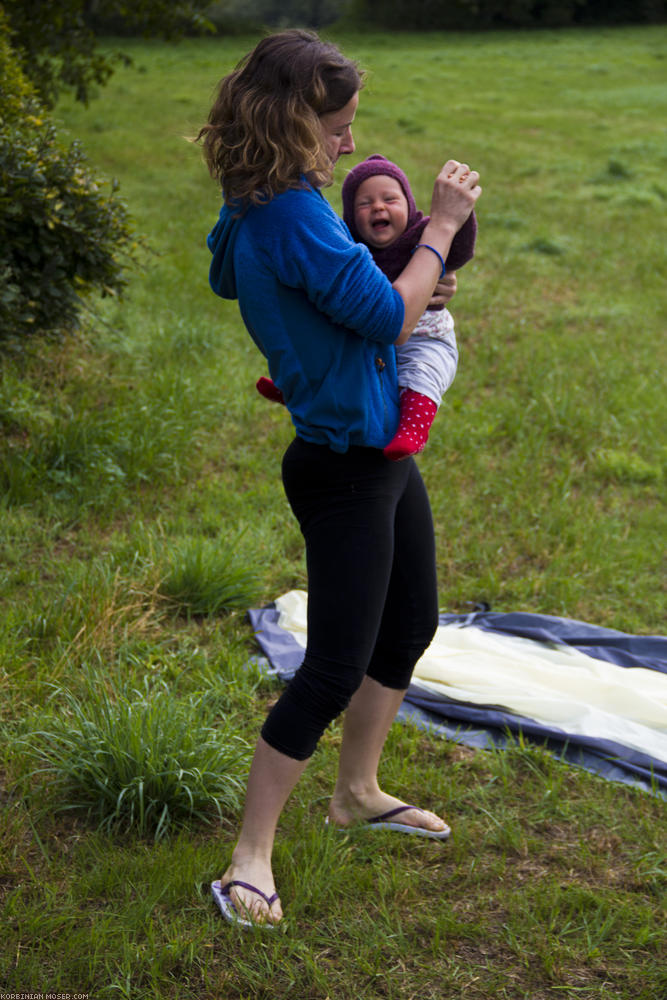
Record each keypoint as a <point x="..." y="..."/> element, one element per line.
<point x="244" y="856"/>
<point x="354" y="800"/>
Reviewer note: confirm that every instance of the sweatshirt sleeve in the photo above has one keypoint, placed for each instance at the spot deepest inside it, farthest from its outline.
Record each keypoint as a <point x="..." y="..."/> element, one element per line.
<point x="310" y="248"/>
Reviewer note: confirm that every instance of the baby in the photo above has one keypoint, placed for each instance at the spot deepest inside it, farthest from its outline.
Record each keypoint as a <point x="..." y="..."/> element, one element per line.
<point x="380" y="211"/>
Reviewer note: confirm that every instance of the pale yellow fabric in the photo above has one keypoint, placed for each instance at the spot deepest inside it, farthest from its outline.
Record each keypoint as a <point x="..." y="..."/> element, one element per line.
<point x="555" y="685"/>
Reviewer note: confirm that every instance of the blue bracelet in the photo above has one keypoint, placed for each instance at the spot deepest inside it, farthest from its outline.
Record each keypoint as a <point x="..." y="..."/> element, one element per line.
<point x="436" y="252"/>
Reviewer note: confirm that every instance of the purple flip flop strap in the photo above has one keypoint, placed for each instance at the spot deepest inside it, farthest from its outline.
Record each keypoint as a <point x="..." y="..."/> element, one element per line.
<point x="393" y="812"/>
<point x="269" y="900"/>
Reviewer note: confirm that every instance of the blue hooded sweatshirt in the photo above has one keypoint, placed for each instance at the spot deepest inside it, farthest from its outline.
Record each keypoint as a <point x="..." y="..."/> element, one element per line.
<point x="320" y="311"/>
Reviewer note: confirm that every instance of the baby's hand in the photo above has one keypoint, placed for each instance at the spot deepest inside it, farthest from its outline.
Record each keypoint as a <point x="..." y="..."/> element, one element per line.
<point x="444" y="290"/>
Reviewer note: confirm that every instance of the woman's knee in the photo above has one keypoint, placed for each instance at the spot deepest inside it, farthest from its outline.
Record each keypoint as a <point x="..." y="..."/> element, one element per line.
<point x="317" y="694"/>
<point x="394" y="658"/>
<point x="326" y="686"/>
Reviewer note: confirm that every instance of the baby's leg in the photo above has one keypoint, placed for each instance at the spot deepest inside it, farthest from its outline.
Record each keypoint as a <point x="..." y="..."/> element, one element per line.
<point x="426" y="368"/>
<point x="267" y="388"/>
<point x="416" y="416"/>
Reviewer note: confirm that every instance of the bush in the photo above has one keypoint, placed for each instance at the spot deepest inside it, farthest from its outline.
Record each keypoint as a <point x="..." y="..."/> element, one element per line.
<point x="464" y="14"/>
<point x="434" y="15"/>
<point x="56" y="42"/>
<point x="61" y="236"/>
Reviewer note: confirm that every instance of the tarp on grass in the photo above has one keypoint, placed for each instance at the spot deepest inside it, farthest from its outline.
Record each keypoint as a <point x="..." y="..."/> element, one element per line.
<point x="595" y="697"/>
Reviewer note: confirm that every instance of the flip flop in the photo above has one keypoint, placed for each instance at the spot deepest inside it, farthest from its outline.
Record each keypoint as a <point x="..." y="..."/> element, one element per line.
<point x="223" y="899"/>
<point x="383" y="822"/>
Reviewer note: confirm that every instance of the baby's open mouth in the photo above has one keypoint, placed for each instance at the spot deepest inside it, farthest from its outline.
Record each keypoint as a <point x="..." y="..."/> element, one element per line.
<point x="380" y="224"/>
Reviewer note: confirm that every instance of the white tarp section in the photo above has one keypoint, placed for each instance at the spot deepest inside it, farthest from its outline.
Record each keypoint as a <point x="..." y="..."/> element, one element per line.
<point x="555" y="685"/>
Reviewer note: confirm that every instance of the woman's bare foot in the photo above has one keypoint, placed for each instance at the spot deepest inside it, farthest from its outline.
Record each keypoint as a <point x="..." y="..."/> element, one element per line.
<point x="248" y="904"/>
<point x="348" y="808"/>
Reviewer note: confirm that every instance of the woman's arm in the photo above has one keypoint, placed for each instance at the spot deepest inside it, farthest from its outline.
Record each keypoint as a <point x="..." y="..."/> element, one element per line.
<point x="299" y="238"/>
<point x="455" y="192"/>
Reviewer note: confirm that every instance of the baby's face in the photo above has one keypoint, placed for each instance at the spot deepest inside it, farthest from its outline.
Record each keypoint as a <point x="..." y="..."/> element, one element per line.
<point x="380" y="210"/>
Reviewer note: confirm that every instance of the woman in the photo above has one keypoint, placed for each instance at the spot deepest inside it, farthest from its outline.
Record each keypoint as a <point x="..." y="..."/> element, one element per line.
<point x="327" y="320"/>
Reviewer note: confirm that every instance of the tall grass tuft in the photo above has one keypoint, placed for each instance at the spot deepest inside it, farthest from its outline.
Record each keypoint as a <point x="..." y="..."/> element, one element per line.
<point x="136" y="761"/>
<point x="205" y="576"/>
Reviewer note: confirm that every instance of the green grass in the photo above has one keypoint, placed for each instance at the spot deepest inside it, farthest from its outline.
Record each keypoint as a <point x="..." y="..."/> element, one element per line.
<point x="141" y="451"/>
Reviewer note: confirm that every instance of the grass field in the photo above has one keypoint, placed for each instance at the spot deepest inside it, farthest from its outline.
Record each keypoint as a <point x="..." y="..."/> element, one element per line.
<point x="143" y="513"/>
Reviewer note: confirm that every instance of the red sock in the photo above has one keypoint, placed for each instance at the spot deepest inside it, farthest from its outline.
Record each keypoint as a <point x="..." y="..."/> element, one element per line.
<point x="417" y="415"/>
<point x="267" y="388"/>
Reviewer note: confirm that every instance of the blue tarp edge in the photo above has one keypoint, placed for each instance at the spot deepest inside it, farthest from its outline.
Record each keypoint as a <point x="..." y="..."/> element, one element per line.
<point x="479" y="726"/>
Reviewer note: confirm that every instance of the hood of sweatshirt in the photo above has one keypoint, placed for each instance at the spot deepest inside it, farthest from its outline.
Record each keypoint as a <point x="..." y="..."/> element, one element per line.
<point x="221" y="241"/>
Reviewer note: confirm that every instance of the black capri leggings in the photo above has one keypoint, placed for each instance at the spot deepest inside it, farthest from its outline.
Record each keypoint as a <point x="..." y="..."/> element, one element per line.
<point x="372" y="588"/>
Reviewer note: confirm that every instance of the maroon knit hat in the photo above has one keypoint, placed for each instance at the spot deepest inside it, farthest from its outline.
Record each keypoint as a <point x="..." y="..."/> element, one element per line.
<point x="374" y="165"/>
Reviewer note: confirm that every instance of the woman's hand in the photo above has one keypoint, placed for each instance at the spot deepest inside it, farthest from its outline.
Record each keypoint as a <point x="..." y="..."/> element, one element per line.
<point x="455" y="192"/>
<point x="444" y="291"/>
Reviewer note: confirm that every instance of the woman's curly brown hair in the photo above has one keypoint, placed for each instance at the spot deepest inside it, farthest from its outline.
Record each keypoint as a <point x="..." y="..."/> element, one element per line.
<point x="263" y="131"/>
